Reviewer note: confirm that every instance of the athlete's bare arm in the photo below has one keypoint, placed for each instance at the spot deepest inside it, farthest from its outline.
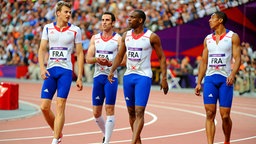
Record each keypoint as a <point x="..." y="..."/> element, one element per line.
<point x="202" y="69"/>
<point x="236" y="52"/>
<point x="156" y="44"/>
<point x="90" y="58"/>
<point x="119" y="58"/>
<point x="41" y="56"/>
<point x="80" y="60"/>
<point x="123" y="63"/>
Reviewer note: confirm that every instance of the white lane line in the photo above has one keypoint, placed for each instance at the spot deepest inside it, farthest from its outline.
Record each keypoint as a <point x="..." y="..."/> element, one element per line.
<point x="245" y="114"/>
<point x="157" y="137"/>
<point x="238" y="140"/>
<point x="67" y="124"/>
<point x="170" y="135"/>
<point x="188" y="132"/>
<point x="154" y="119"/>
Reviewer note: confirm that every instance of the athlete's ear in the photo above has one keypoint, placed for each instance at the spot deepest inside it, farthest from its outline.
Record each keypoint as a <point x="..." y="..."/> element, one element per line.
<point x="113" y="23"/>
<point x="57" y="13"/>
<point x="221" y="20"/>
<point x="141" y="20"/>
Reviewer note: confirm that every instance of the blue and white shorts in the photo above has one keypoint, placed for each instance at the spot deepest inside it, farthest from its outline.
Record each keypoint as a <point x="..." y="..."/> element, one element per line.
<point x="136" y="89"/>
<point x="216" y="88"/>
<point x="60" y="79"/>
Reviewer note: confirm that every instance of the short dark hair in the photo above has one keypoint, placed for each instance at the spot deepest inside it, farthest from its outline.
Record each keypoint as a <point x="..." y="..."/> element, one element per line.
<point x="222" y="15"/>
<point x="141" y="14"/>
<point x="113" y="18"/>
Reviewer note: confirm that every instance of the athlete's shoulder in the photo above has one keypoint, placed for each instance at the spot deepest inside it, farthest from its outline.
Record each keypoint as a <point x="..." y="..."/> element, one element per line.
<point x="230" y="32"/>
<point x="117" y="35"/>
<point x="97" y="36"/>
<point x="49" y="25"/>
<point x="146" y="30"/>
<point x="209" y="35"/>
<point x="74" y="27"/>
<point x="128" y="32"/>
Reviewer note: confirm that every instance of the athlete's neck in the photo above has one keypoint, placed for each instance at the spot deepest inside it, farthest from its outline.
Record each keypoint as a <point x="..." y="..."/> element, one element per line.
<point x="61" y="25"/>
<point x="107" y="34"/>
<point x="138" y="30"/>
<point x="220" y="31"/>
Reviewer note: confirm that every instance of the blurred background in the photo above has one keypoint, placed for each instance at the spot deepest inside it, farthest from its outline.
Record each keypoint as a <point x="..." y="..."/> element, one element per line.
<point x="181" y="24"/>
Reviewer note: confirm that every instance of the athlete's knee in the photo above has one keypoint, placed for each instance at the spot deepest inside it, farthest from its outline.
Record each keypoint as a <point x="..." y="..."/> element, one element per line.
<point x="60" y="107"/>
<point x="96" y="114"/>
<point x="225" y="114"/>
<point x="210" y="114"/>
<point x="140" y="112"/>
<point x="61" y="103"/>
<point x="45" y="109"/>
<point x="226" y="118"/>
<point x="110" y="110"/>
<point x="131" y="111"/>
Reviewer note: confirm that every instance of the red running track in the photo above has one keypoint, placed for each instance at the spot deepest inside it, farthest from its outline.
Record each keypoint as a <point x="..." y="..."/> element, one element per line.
<point x="176" y="118"/>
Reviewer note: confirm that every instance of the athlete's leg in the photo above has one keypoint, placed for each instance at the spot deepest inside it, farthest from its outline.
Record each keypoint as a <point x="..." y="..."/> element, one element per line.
<point x="226" y="98"/>
<point x="209" y="124"/>
<point x="131" y="112"/>
<point x="64" y="83"/>
<point x="97" y="113"/>
<point x="142" y="91"/>
<point x="129" y="94"/>
<point x="47" y="112"/>
<point x="47" y="93"/>
<point x="60" y="117"/>
<point x="210" y="96"/>
<point x="138" y="124"/>
<point x="226" y="122"/>
<point x="132" y="119"/>
<point x="110" y="90"/>
<point x="110" y="123"/>
<point x="98" y="97"/>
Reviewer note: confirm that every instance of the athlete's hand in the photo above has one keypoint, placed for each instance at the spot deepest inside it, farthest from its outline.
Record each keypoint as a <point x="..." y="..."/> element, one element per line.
<point x="79" y="84"/>
<point x="230" y="80"/>
<point x="110" y="77"/>
<point x="198" y="89"/>
<point x="109" y="64"/>
<point x="44" y="74"/>
<point x="164" y="86"/>
<point x="102" y="61"/>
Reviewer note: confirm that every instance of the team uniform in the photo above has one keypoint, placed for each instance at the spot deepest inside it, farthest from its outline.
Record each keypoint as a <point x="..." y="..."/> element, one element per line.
<point x="138" y="76"/>
<point x="102" y="88"/>
<point x="61" y="45"/>
<point x="218" y="69"/>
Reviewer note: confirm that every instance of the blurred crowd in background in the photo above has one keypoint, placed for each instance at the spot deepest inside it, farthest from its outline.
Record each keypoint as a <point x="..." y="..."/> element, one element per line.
<point x="22" y="22"/>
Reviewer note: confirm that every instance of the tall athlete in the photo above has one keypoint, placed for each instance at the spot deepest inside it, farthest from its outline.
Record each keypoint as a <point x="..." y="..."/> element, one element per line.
<point x="220" y="49"/>
<point x="138" y="44"/>
<point x="62" y="38"/>
<point x="102" y="51"/>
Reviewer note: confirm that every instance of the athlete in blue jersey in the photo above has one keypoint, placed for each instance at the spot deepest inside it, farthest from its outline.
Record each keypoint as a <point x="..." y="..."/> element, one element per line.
<point x="138" y="44"/>
<point x="221" y="50"/>
<point x="102" y="51"/>
<point x="62" y="38"/>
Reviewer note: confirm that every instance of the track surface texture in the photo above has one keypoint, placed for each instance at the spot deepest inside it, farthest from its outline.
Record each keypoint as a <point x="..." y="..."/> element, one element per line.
<point x="175" y="118"/>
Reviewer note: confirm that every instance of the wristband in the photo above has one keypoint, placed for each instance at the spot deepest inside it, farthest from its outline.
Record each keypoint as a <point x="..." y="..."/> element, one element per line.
<point x="95" y="59"/>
